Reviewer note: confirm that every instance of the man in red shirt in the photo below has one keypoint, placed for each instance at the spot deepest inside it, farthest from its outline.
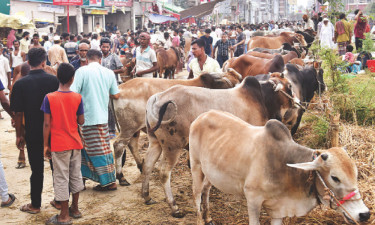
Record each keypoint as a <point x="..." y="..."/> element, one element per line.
<point x="63" y="109"/>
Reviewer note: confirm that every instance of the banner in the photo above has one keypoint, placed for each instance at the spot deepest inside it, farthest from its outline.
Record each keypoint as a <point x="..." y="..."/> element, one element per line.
<point x="51" y="8"/>
<point x="120" y="3"/>
<point x="97" y="3"/>
<point x="67" y="2"/>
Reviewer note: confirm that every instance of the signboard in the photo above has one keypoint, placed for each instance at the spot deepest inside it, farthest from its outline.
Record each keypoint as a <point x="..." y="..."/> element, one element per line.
<point x="96" y="11"/>
<point x="126" y="3"/>
<point x="97" y="3"/>
<point x="51" y="8"/>
<point x="67" y="2"/>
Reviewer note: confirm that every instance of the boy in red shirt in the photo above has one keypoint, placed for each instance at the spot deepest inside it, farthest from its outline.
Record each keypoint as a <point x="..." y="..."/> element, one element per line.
<point x="63" y="109"/>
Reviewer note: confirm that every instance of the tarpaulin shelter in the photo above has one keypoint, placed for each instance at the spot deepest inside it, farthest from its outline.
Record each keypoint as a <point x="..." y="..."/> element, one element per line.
<point x="16" y="22"/>
<point x="200" y="10"/>
<point x="156" y="18"/>
<point x="172" y="9"/>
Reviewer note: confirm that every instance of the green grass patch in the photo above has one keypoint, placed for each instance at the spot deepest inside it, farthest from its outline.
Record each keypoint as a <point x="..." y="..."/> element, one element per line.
<point x="354" y="99"/>
<point x="314" y="131"/>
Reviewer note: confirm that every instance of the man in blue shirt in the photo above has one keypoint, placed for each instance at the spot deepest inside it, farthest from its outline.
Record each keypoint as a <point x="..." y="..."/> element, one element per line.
<point x="208" y="40"/>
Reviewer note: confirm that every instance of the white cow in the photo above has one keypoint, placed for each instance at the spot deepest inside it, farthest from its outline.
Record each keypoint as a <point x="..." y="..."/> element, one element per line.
<point x="266" y="166"/>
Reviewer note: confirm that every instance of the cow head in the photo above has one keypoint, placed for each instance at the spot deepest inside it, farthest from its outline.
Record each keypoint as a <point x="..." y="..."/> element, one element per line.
<point x="289" y="108"/>
<point x="220" y="80"/>
<point x="339" y="174"/>
<point x="299" y="38"/>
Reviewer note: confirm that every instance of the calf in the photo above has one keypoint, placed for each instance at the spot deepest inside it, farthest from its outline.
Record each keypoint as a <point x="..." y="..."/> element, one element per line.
<point x="266" y="166"/>
<point x="170" y="113"/>
<point x="130" y="109"/>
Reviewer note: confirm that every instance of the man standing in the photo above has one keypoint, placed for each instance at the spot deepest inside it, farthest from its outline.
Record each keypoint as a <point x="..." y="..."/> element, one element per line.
<point x="202" y="63"/>
<point x="208" y="40"/>
<point x="343" y="34"/>
<point x="70" y="48"/>
<point x="5" y="71"/>
<point x="112" y="62"/>
<point x="240" y="42"/>
<point x="94" y="42"/>
<point x="359" y="29"/>
<point x="27" y="97"/>
<point x="83" y="48"/>
<point x="223" y="48"/>
<point x="17" y="57"/>
<point x="96" y="84"/>
<point x="56" y="54"/>
<point x="309" y="24"/>
<point x="25" y="42"/>
<point x="35" y="43"/>
<point x="145" y="63"/>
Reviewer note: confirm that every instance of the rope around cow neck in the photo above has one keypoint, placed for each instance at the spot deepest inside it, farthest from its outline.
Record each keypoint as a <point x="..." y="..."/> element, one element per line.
<point x="332" y="195"/>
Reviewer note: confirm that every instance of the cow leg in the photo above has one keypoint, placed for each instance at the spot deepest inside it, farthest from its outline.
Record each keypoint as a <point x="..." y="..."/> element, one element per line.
<point x="198" y="178"/>
<point x="133" y="146"/>
<point x="206" y="202"/>
<point x="276" y="221"/>
<point x="119" y="149"/>
<point x="171" y="159"/>
<point x="172" y="73"/>
<point x="254" y="204"/>
<point x="152" y="155"/>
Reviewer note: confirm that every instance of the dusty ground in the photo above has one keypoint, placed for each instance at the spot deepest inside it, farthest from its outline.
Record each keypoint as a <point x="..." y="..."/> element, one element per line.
<point x="125" y="206"/>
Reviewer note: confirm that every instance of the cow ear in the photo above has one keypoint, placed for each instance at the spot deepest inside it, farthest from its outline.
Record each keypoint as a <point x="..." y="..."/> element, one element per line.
<point x="314" y="165"/>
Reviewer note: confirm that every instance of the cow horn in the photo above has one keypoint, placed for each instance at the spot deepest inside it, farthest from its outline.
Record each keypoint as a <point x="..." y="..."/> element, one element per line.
<point x="235" y="72"/>
<point x="279" y="86"/>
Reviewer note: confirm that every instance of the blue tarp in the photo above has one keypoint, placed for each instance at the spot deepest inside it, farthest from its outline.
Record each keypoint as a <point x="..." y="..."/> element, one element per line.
<point x="156" y="18"/>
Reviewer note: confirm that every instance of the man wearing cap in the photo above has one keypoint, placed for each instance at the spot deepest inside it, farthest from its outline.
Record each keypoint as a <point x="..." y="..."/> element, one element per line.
<point x="56" y="54"/>
<point x="145" y="63"/>
<point x="309" y="24"/>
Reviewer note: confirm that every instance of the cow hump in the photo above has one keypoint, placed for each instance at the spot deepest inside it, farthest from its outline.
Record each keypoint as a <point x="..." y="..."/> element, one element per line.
<point x="278" y="130"/>
<point x="252" y="85"/>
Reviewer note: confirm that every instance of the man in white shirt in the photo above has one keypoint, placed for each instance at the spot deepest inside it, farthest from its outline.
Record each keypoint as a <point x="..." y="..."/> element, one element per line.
<point x="95" y="44"/>
<point x="247" y="34"/>
<point x="145" y="63"/>
<point x="218" y="32"/>
<point x="5" y="71"/>
<point x="202" y="63"/>
<point x="214" y="36"/>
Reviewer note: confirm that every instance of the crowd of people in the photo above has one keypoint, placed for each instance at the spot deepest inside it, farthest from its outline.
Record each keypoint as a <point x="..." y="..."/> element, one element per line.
<point x="68" y="118"/>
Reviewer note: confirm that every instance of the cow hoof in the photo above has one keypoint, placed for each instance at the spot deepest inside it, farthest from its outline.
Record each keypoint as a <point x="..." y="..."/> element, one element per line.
<point x="150" y="202"/>
<point x="124" y="182"/>
<point x="210" y="223"/>
<point x="178" y="214"/>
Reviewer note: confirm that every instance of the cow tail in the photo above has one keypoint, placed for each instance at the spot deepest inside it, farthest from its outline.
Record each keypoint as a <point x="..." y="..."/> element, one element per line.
<point x="177" y="54"/>
<point x="162" y="112"/>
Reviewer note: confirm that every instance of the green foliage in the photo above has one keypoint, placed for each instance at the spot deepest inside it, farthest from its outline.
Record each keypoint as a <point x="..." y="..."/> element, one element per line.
<point x="368" y="43"/>
<point x="357" y="102"/>
<point x="319" y="126"/>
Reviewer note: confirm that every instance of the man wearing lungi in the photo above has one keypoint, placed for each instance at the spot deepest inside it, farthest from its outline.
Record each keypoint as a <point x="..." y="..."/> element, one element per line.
<point x="96" y="84"/>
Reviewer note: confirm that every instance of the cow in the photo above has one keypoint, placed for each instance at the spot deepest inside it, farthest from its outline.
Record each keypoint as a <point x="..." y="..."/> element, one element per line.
<point x="305" y="83"/>
<point x="309" y="38"/>
<point x="298" y="62"/>
<point x="169" y="115"/>
<point x="282" y="50"/>
<point x="276" y="42"/>
<point x="168" y="61"/>
<point x="287" y="57"/>
<point x="265" y="165"/>
<point x="248" y="65"/>
<point x="130" y="109"/>
<point x="129" y="64"/>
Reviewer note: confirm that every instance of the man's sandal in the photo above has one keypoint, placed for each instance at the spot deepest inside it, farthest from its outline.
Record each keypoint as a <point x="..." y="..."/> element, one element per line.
<point x="27" y="208"/>
<point x="12" y="198"/>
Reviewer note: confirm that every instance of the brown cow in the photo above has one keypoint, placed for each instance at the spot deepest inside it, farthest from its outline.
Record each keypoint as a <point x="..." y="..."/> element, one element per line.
<point x="129" y="64"/>
<point x="298" y="62"/>
<point x="169" y="115"/>
<point x="266" y="167"/>
<point x="130" y="108"/>
<point x="287" y="57"/>
<point x="168" y="61"/>
<point x="276" y="42"/>
<point x="248" y="65"/>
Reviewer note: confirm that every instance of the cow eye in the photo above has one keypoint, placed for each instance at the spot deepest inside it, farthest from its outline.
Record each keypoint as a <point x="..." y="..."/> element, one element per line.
<point x="335" y="179"/>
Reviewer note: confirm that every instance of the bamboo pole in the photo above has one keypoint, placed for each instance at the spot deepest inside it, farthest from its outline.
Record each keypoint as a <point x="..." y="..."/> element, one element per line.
<point x="334" y="127"/>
